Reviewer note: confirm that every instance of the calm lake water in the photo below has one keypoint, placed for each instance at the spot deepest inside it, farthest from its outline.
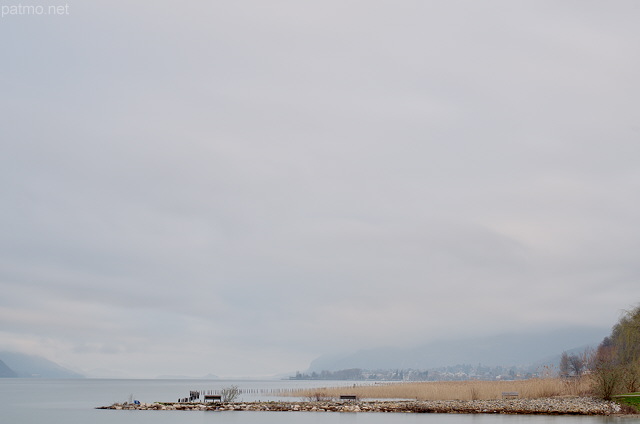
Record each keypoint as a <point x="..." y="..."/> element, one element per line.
<point x="31" y="401"/>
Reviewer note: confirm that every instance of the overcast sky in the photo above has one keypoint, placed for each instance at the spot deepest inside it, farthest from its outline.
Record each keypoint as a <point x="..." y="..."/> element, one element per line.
<point x="237" y="187"/>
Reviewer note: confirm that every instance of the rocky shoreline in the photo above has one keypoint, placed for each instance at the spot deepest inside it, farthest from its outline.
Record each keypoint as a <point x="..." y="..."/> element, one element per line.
<point x="548" y="406"/>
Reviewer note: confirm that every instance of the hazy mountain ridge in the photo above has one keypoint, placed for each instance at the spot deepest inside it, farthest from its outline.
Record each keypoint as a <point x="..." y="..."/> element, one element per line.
<point x="32" y="366"/>
<point x="6" y="372"/>
<point x="506" y="349"/>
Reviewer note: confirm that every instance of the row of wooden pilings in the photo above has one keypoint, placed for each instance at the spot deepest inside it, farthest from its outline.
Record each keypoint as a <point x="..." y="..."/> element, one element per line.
<point x="201" y="395"/>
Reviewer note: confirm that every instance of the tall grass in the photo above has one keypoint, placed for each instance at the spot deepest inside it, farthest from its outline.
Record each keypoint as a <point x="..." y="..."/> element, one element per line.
<point x="457" y="390"/>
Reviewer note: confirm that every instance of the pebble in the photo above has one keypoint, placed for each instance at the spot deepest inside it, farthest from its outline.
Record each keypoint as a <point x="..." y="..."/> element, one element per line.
<point x="550" y="406"/>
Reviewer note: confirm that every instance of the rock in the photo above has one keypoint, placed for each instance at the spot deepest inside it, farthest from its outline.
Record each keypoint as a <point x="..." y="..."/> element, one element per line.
<point x="554" y="406"/>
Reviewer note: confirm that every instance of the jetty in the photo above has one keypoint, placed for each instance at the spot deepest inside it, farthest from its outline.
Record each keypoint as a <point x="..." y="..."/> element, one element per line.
<point x="548" y="406"/>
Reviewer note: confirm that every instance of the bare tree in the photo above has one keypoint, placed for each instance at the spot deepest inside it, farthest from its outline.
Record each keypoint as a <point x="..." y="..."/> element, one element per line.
<point x="576" y="364"/>
<point x="573" y="365"/>
<point x="606" y="371"/>
<point x="230" y="394"/>
<point x="564" y="365"/>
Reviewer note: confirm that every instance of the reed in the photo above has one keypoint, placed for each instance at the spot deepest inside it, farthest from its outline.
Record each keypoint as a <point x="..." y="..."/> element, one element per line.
<point x="456" y="390"/>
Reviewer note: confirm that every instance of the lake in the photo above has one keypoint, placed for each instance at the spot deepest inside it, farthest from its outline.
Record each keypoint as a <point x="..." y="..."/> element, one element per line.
<point x="31" y="401"/>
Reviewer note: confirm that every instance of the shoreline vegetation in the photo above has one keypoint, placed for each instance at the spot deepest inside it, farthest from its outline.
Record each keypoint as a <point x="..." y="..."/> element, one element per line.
<point x="551" y="396"/>
<point x="535" y="388"/>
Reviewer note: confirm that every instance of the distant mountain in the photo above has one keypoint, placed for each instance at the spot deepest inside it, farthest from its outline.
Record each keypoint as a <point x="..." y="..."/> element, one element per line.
<point x="6" y="372"/>
<point x="31" y="366"/>
<point x="506" y="349"/>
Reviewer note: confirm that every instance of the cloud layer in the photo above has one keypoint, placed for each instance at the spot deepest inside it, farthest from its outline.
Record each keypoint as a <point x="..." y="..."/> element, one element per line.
<point x="239" y="188"/>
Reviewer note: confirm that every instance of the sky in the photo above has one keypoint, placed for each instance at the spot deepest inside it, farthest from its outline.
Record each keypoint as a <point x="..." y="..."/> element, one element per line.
<point x="239" y="187"/>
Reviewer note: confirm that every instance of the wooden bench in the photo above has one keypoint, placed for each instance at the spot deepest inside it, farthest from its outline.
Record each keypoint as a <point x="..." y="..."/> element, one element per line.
<point x="510" y="395"/>
<point x="213" y="398"/>
<point x="349" y="397"/>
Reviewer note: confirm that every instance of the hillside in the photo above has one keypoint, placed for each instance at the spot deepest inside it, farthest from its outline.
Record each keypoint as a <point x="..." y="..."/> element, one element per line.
<point x="6" y="372"/>
<point x="507" y="349"/>
<point x="31" y="366"/>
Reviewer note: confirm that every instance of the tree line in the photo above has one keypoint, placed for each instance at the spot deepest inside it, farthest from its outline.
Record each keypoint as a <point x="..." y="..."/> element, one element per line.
<point x="614" y="366"/>
<point x="616" y="363"/>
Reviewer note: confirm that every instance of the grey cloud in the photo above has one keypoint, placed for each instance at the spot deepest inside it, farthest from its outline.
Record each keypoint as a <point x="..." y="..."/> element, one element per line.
<point x="220" y="179"/>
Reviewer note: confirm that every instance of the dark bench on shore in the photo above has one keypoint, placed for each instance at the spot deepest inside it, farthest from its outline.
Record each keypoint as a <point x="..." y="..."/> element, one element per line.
<point x="213" y="398"/>
<point x="510" y="395"/>
<point x="349" y="397"/>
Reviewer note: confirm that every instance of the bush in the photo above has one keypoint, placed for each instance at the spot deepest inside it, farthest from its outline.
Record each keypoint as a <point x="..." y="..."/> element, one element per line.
<point x="318" y="396"/>
<point x="606" y="381"/>
<point x="230" y="394"/>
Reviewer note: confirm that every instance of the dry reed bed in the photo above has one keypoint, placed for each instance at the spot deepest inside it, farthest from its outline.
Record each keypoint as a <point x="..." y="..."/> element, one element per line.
<point x="455" y="390"/>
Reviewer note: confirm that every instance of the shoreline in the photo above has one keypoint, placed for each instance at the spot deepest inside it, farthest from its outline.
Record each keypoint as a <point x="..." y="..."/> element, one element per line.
<point x="542" y="406"/>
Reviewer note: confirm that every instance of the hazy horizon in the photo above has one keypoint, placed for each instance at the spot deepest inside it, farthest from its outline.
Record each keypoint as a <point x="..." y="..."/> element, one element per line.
<point x="238" y="188"/>
<point x="522" y="350"/>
